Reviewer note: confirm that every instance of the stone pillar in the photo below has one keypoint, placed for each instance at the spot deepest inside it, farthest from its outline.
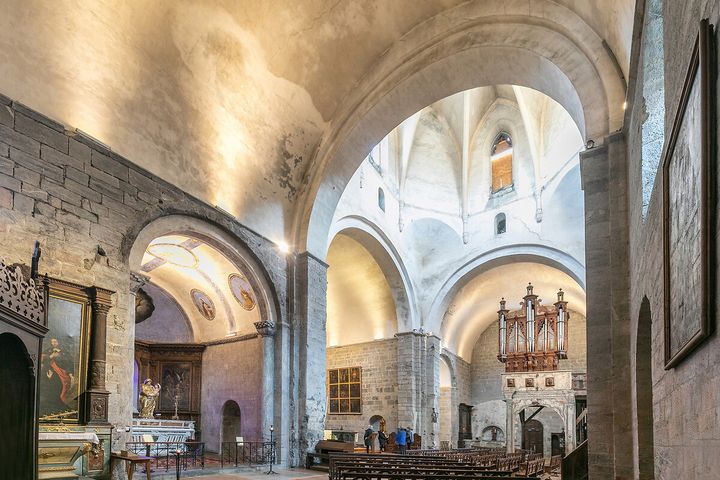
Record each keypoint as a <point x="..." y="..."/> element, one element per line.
<point x="604" y="179"/>
<point x="266" y="330"/>
<point x="408" y="376"/>
<point x="96" y="396"/>
<point x="509" y="427"/>
<point x="570" y="425"/>
<point x="310" y="297"/>
<point x="430" y="430"/>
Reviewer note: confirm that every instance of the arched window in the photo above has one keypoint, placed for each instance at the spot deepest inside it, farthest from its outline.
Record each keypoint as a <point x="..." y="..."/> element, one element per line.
<point x="381" y="199"/>
<point x="653" y="128"/>
<point x="500" y="226"/>
<point x="501" y="157"/>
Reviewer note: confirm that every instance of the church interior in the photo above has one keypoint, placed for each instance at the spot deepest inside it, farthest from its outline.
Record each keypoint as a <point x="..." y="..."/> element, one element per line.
<point x="385" y="239"/>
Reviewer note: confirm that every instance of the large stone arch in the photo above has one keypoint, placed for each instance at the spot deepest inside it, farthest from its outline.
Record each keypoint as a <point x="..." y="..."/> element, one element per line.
<point x="225" y="242"/>
<point x="537" y="253"/>
<point x="552" y="50"/>
<point x="388" y="258"/>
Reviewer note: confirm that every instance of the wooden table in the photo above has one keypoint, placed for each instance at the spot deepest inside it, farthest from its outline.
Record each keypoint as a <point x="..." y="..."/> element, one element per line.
<point x="130" y="462"/>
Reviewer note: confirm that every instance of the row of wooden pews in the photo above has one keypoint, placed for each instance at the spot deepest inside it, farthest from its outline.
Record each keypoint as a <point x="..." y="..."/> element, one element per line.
<point x="447" y="465"/>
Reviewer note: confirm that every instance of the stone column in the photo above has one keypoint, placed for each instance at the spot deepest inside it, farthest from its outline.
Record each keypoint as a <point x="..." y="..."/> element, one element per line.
<point x="408" y="374"/>
<point x="570" y="425"/>
<point x="96" y="395"/>
<point x="431" y="430"/>
<point x="310" y="297"/>
<point x="604" y="181"/>
<point x="266" y="330"/>
<point x="509" y="427"/>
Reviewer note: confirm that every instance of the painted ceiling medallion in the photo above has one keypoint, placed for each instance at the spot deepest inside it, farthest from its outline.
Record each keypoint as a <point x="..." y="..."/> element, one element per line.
<point x="174" y="254"/>
<point x="242" y="291"/>
<point x="202" y="302"/>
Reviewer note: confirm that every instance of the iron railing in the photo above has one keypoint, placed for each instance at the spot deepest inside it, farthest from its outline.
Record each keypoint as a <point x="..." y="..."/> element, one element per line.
<point x="189" y="454"/>
<point x="247" y="453"/>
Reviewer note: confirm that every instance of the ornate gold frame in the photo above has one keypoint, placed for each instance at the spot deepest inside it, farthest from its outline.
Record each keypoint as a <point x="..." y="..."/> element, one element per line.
<point x="66" y="291"/>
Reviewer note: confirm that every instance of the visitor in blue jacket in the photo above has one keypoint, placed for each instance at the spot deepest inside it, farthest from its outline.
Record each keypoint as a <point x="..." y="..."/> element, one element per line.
<point x="401" y="440"/>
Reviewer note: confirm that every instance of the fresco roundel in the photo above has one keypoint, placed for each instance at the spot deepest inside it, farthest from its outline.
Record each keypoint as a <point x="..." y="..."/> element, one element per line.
<point x="202" y="302"/>
<point x="242" y="291"/>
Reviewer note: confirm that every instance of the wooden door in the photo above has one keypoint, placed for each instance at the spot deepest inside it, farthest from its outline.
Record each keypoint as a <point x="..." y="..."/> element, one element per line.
<point x="17" y="414"/>
<point x="533" y="436"/>
<point x="465" y="422"/>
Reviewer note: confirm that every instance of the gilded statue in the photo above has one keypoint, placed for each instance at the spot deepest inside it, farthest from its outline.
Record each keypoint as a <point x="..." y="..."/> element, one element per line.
<point x="148" y="398"/>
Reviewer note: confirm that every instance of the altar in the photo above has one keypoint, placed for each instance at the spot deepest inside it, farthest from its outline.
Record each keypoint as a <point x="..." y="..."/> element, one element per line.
<point x="71" y="452"/>
<point x="162" y="430"/>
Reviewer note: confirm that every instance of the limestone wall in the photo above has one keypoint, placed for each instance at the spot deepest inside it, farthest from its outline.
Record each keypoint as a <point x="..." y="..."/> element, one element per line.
<point x="378" y="360"/>
<point x="685" y="399"/>
<point x="86" y="206"/>
<point x="232" y="371"/>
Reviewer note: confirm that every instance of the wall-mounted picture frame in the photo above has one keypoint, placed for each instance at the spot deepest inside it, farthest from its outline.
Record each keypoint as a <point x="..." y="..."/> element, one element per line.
<point x="64" y="357"/>
<point x="688" y="199"/>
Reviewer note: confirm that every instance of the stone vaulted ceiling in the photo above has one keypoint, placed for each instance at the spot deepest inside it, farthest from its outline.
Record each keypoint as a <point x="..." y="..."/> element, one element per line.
<point x="228" y="100"/>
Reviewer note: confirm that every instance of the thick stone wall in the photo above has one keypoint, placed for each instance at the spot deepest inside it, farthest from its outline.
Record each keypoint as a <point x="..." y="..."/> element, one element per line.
<point x="685" y="399"/>
<point x="378" y="360"/>
<point x="232" y="371"/>
<point x="86" y="205"/>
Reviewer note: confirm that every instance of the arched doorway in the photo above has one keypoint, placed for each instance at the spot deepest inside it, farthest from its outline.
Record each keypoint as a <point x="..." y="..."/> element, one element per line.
<point x="16" y="416"/>
<point x="533" y="436"/>
<point x="231" y="425"/>
<point x="644" y="445"/>
<point x="377" y="422"/>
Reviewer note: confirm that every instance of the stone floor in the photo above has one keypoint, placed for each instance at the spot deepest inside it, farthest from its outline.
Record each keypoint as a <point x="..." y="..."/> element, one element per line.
<point x="282" y="474"/>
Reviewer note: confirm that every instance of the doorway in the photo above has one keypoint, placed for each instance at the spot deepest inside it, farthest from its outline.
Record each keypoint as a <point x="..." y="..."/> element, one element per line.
<point x="557" y="444"/>
<point x="16" y="416"/>
<point x="231" y="426"/>
<point x="533" y="436"/>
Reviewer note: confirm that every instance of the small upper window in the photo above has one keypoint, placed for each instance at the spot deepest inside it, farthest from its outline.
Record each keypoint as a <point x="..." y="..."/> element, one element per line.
<point x="500" y="225"/>
<point x="381" y="199"/>
<point x="501" y="157"/>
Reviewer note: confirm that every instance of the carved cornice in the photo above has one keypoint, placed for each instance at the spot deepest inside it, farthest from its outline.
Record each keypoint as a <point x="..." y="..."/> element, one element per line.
<point x="265" y="328"/>
<point x="21" y="296"/>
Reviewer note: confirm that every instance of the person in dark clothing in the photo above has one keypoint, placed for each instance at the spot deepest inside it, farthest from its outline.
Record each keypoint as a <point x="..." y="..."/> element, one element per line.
<point x="368" y="438"/>
<point x="410" y="438"/>
<point x="382" y="438"/>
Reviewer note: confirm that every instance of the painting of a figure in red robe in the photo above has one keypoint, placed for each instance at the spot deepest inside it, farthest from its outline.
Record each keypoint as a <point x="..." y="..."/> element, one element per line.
<point x="59" y="365"/>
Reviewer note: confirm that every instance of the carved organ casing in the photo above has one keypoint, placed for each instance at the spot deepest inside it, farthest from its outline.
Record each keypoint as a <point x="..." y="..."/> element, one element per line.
<point x="534" y="337"/>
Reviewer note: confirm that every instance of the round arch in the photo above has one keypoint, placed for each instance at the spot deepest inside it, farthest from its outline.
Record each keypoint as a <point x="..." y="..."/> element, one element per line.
<point x="374" y="240"/>
<point x="536" y="253"/>
<point x="553" y="50"/>
<point x="225" y="242"/>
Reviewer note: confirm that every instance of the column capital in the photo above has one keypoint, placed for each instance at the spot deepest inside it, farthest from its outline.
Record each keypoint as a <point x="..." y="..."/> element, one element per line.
<point x="265" y="328"/>
<point x="137" y="280"/>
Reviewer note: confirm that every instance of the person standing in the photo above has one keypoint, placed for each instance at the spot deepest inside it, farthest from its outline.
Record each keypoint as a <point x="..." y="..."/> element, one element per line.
<point x="368" y="438"/>
<point x="382" y="438"/>
<point x="410" y="438"/>
<point x="401" y="439"/>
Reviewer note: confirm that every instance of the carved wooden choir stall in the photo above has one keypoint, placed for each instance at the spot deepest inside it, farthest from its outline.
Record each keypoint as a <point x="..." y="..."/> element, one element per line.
<point x="534" y="337"/>
<point x="22" y="326"/>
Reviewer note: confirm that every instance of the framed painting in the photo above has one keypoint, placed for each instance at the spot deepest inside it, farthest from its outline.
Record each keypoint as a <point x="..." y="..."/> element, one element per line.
<point x="688" y="182"/>
<point x="63" y="362"/>
<point x="176" y="381"/>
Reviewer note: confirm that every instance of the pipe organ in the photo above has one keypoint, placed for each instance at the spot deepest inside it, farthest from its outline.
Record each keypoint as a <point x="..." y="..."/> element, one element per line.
<point x="533" y="337"/>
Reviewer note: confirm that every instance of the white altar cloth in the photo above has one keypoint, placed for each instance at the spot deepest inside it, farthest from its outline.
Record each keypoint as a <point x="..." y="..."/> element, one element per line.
<point x="82" y="436"/>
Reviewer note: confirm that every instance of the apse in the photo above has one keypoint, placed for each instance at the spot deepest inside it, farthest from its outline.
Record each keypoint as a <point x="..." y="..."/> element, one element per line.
<point x="197" y="286"/>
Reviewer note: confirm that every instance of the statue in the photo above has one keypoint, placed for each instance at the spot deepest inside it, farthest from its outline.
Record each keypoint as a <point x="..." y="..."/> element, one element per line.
<point x="148" y="398"/>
